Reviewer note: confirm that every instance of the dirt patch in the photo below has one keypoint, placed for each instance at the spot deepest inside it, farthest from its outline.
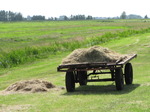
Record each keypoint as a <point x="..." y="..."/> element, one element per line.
<point x="93" y="54"/>
<point x="30" y="86"/>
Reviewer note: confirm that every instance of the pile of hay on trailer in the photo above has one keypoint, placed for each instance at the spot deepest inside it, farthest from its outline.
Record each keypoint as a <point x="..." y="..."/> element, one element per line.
<point x="93" y="54"/>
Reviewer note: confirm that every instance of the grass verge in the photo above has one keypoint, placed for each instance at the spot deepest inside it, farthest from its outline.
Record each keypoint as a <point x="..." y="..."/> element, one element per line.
<point x="29" y="54"/>
<point x="95" y="97"/>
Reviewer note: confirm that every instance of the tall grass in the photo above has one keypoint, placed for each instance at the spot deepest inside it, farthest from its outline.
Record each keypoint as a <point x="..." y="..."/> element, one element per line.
<point x="29" y="54"/>
<point x="108" y="36"/>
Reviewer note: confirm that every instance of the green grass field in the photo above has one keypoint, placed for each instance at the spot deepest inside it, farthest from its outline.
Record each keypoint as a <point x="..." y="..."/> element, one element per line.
<point x="96" y="96"/>
<point x="22" y="42"/>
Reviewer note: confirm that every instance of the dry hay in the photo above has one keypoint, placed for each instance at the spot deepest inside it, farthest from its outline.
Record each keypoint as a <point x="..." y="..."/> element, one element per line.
<point x="29" y="86"/>
<point x="14" y="108"/>
<point x="93" y="55"/>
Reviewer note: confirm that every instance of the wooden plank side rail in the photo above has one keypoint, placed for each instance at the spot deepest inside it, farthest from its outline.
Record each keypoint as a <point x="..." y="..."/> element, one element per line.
<point x="127" y="60"/>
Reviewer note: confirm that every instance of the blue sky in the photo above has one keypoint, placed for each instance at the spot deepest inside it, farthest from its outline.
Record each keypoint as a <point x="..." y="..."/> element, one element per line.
<point x="96" y="8"/>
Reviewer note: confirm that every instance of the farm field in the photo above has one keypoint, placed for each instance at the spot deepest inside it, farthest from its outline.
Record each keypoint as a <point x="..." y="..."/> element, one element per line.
<point x="95" y="97"/>
<point x="22" y="42"/>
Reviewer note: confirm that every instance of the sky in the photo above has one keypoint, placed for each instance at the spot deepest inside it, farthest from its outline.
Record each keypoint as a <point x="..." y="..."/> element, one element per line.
<point x="95" y="8"/>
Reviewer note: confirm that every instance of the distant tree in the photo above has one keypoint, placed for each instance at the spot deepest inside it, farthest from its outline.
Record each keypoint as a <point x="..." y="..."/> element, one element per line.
<point x="38" y="17"/>
<point x="123" y="15"/>
<point x="10" y="16"/>
<point x="65" y="18"/>
<point x="51" y="19"/>
<point x="55" y="18"/>
<point x="77" y="17"/>
<point x="3" y="16"/>
<point x="15" y="16"/>
<point x="146" y="17"/>
<point x="89" y="17"/>
<point x="71" y="17"/>
<point x="19" y="17"/>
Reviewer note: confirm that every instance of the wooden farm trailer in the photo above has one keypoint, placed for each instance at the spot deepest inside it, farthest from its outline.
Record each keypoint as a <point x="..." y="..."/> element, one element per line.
<point x="89" y="72"/>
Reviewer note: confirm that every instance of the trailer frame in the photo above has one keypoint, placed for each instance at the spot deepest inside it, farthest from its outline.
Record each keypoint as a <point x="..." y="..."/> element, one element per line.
<point x="78" y="73"/>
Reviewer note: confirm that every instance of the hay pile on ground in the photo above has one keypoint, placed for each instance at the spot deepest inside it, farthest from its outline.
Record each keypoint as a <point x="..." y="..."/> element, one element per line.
<point x="93" y="55"/>
<point x="29" y="86"/>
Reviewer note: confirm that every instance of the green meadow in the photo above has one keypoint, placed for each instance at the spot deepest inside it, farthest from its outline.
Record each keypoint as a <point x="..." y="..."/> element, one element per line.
<point x="22" y="42"/>
<point x="33" y="50"/>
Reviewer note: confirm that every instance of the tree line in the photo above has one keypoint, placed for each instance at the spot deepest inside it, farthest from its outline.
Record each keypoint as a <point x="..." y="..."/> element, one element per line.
<point x="14" y="16"/>
<point x="80" y="17"/>
<point x="72" y="17"/>
<point x="131" y="16"/>
<point x="10" y="16"/>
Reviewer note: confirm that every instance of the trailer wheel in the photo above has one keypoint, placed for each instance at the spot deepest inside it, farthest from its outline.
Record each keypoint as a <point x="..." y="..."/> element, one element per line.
<point x="82" y="75"/>
<point x="128" y="73"/>
<point x="119" y="79"/>
<point x="70" y="82"/>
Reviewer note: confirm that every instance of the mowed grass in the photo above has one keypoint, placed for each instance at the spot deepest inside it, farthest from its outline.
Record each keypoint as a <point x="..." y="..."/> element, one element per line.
<point x="24" y="34"/>
<point x="23" y="42"/>
<point x="95" y="97"/>
<point x="18" y="35"/>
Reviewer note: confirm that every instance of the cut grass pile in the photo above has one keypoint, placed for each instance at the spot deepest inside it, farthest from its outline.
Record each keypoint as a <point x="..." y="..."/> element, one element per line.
<point x="29" y="86"/>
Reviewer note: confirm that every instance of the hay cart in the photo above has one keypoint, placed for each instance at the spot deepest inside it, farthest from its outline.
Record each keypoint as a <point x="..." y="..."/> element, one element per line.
<point x="90" y="72"/>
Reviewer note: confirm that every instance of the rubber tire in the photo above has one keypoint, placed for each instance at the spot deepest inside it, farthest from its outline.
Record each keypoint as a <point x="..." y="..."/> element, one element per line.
<point x="119" y="81"/>
<point x="128" y="73"/>
<point x="70" y="82"/>
<point x="82" y="75"/>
